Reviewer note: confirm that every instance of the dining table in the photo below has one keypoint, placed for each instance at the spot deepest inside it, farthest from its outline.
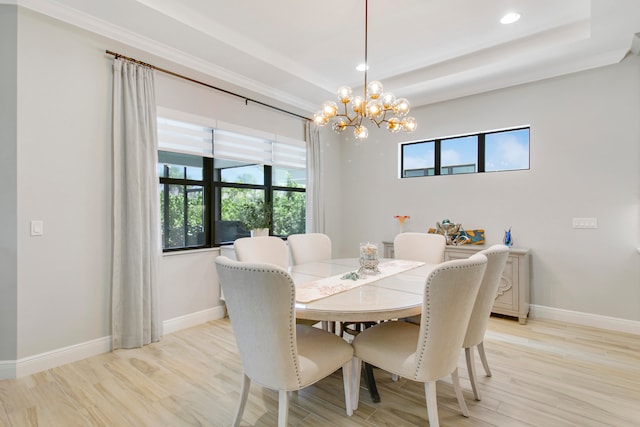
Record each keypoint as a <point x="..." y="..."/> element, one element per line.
<point x="333" y="291"/>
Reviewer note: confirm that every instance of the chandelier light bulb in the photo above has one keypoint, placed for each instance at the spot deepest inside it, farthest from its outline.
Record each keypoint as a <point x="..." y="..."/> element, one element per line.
<point x="401" y="107"/>
<point x="388" y="99"/>
<point x="320" y="119"/>
<point x="374" y="89"/>
<point x="339" y="125"/>
<point x="361" y="132"/>
<point x="394" y="124"/>
<point x="329" y="109"/>
<point x="345" y="94"/>
<point x="409" y="124"/>
<point x="358" y="105"/>
<point x="374" y="109"/>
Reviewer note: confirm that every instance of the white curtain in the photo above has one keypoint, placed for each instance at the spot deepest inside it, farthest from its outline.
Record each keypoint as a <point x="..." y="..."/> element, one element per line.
<point x="136" y="240"/>
<point x="315" y="193"/>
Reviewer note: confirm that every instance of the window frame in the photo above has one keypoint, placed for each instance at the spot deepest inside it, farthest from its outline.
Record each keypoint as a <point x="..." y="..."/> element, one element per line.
<point x="286" y="153"/>
<point x="481" y="154"/>
<point x="267" y="187"/>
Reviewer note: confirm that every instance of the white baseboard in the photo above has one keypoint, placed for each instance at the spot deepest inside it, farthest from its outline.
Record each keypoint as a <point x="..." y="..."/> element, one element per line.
<point x="51" y="359"/>
<point x="585" y="319"/>
<point x="192" y="319"/>
<point x="62" y="356"/>
<point x="33" y="364"/>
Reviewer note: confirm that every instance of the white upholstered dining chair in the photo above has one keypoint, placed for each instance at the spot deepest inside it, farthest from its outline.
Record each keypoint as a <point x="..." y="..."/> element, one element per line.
<point x="309" y="247"/>
<point x="425" y="247"/>
<point x="496" y="260"/>
<point x="267" y="249"/>
<point x="276" y="353"/>
<point x="429" y="351"/>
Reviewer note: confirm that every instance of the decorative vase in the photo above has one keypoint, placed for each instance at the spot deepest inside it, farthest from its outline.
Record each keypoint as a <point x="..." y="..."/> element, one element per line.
<point x="508" y="241"/>
<point x="259" y="232"/>
<point x="401" y="219"/>
<point x="368" y="259"/>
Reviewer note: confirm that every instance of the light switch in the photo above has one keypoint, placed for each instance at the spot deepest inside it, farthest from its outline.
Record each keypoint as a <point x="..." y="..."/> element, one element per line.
<point x="37" y="228"/>
<point x="585" y="223"/>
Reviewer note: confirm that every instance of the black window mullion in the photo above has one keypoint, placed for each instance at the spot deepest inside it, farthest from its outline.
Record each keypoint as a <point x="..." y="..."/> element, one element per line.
<point x="165" y="209"/>
<point x="209" y="202"/>
<point x="185" y="201"/>
<point x="481" y="153"/>
<point x="437" y="161"/>
<point x="296" y="189"/>
<point x="268" y="194"/>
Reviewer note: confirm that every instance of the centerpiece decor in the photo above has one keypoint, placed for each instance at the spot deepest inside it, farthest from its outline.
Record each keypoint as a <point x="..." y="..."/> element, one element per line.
<point x="401" y="219"/>
<point x="368" y="259"/>
<point x="453" y="233"/>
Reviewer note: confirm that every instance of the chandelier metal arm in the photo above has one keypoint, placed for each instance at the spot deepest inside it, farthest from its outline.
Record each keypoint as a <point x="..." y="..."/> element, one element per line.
<point x="366" y="49"/>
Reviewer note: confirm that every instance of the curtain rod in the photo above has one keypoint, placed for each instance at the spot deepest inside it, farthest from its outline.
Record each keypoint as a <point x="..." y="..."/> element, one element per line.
<point x="246" y="99"/>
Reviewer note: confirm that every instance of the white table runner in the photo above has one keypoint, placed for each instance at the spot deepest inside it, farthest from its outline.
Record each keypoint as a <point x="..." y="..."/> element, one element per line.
<point x="322" y="288"/>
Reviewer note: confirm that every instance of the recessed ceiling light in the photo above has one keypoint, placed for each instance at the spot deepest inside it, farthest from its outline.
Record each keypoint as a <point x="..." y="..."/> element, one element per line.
<point x="510" y="18"/>
<point x="362" y="67"/>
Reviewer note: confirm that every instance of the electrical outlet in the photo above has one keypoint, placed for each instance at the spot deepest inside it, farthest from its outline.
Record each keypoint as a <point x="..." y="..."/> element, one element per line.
<point x="585" y="223"/>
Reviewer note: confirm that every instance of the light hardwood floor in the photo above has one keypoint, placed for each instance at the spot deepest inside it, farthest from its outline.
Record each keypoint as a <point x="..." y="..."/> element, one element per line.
<point x="544" y="374"/>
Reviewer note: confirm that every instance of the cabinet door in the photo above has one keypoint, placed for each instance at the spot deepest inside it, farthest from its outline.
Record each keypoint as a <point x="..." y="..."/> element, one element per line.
<point x="507" y="296"/>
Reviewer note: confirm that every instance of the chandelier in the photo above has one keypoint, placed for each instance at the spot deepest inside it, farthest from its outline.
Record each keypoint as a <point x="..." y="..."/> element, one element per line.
<point x="379" y="107"/>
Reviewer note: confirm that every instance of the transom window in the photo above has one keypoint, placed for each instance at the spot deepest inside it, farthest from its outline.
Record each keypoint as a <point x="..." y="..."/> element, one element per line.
<point x="503" y="150"/>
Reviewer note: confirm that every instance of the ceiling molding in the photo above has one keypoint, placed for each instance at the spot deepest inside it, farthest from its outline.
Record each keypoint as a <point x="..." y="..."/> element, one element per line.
<point x="297" y="61"/>
<point x="106" y="29"/>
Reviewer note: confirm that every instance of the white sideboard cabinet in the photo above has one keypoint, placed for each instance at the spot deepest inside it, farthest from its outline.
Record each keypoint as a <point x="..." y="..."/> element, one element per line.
<point x="512" y="298"/>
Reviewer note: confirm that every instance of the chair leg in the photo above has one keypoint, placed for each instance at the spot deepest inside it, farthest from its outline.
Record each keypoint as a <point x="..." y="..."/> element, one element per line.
<point x="483" y="358"/>
<point x="355" y="384"/>
<point x="432" y="403"/>
<point x="347" y="380"/>
<point x="455" y="379"/>
<point x="283" y="408"/>
<point x="471" y="368"/>
<point x="244" y="393"/>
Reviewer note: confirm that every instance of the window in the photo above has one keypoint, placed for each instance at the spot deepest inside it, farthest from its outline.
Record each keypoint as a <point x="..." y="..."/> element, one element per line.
<point x="418" y="159"/>
<point x="502" y="150"/>
<point x="182" y="200"/>
<point x="242" y="188"/>
<point x="508" y="150"/>
<point x="213" y="178"/>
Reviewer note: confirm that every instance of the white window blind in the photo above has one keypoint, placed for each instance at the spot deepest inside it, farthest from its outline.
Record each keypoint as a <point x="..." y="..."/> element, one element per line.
<point x="182" y="137"/>
<point x="189" y="134"/>
<point x="289" y="153"/>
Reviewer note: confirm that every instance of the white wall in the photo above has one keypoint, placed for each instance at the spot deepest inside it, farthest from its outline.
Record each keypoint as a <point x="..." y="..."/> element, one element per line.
<point x="63" y="169"/>
<point x="585" y="153"/>
<point x="64" y="179"/>
<point x="189" y="283"/>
